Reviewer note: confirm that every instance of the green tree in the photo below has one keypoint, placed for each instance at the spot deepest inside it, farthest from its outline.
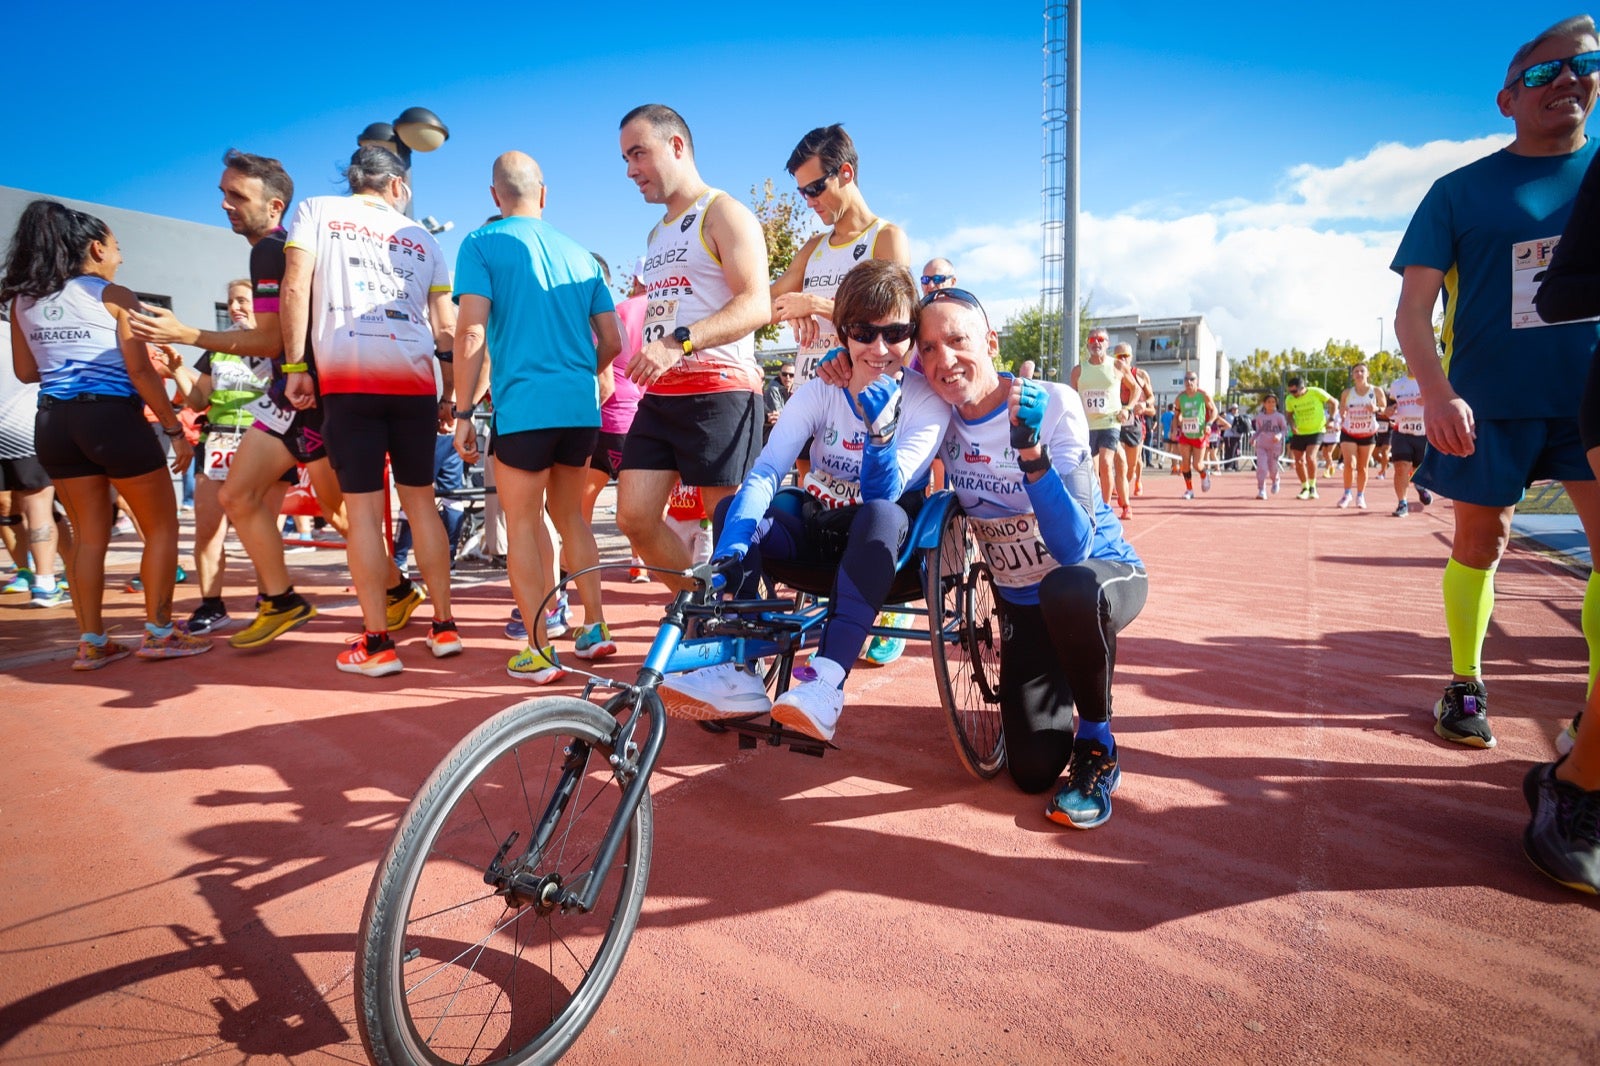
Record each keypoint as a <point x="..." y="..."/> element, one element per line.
<point x="1021" y="337"/>
<point x="786" y="222"/>
<point x="1327" y="367"/>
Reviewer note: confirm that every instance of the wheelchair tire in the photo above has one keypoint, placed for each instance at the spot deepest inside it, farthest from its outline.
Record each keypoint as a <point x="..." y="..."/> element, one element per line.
<point x="963" y="627"/>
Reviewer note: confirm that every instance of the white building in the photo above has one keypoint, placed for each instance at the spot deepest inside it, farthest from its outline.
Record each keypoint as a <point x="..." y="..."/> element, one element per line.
<point x="168" y="262"/>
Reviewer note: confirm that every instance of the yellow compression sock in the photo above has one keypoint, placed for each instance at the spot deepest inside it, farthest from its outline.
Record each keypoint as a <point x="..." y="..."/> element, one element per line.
<point x="1468" y="603"/>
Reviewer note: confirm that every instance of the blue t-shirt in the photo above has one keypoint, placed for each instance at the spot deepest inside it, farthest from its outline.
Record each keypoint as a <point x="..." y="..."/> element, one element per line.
<point x="1491" y="227"/>
<point x="544" y="288"/>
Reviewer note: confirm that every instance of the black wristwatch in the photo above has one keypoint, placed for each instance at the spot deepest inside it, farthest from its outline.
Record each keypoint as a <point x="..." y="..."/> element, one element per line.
<point x="681" y="335"/>
<point x="1036" y="466"/>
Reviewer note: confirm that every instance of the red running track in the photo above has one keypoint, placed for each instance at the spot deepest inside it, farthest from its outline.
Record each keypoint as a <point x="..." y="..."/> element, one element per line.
<point x="1298" y="870"/>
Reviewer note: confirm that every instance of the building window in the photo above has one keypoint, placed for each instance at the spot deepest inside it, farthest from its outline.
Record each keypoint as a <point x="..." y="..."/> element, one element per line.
<point x="223" y="321"/>
<point x="150" y="299"/>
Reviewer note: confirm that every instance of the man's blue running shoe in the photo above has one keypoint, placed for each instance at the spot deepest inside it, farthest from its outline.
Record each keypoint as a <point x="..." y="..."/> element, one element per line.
<point x="1085" y="800"/>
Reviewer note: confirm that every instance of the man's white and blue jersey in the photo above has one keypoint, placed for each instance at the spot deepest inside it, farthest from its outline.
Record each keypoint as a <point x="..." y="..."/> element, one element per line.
<point x="1025" y="529"/>
<point x="846" y="468"/>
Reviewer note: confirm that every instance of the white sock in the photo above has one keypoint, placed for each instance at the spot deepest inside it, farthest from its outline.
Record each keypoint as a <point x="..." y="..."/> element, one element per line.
<point x="828" y="670"/>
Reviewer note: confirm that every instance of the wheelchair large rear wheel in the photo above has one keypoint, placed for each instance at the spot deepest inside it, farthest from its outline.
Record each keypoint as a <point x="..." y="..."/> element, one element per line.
<point x="964" y="626"/>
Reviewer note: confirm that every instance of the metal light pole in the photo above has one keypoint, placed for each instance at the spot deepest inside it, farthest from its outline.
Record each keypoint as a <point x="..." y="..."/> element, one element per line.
<point x="416" y="130"/>
<point x="1380" y="333"/>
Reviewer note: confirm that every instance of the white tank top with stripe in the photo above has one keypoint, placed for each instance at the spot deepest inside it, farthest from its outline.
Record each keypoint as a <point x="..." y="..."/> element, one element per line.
<point x="684" y="284"/>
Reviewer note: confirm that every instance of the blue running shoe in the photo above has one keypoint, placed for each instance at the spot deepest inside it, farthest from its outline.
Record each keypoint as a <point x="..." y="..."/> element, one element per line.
<point x="55" y="597"/>
<point x="23" y="582"/>
<point x="516" y="629"/>
<point x="1085" y="800"/>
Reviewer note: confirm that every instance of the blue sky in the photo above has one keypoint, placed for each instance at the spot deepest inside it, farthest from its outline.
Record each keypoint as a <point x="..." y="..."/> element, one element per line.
<point x="1206" y="129"/>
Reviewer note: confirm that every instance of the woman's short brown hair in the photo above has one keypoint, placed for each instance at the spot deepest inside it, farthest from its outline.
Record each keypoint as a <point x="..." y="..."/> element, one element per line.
<point x="872" y="290"/>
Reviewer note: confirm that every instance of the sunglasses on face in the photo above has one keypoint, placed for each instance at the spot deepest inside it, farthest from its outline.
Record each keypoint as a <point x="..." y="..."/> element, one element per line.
<point x="787" y="377"/>
<point x="814" y="190"/>
<point x="937" y="279"/>
<point x="866" y="333"/>
<point x="1582" y="65"/>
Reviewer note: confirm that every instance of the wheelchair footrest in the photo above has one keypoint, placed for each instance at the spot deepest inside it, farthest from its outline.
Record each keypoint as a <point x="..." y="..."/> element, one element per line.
<point x="754" y="731"/>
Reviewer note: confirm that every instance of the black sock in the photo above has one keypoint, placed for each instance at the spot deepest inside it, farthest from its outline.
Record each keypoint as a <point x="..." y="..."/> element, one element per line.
<point x="286" y="599"/>
<point x="376" y="640"/>
<point x="214" y="602"/>
<point x="402" y="589"/>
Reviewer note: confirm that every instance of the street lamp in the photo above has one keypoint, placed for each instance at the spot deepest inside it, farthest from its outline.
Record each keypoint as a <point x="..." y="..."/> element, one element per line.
<point x="1380" y="333"/>
<point x="416" y="130"/>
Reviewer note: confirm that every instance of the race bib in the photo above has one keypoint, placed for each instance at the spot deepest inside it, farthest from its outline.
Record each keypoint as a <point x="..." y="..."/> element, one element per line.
<point x="660" y="319"/>
<point x="221" y="445"/>
<point x="830" y="490"/>
<point x="1190" y="427"/>
<point x="1360" y="422"/>
<point x="1096" y="401"/>
<point x="1015" y="552"/>
<point x="270" y="415"/>
<point x="810" y="355"/>
<point x="1410" y="425"/>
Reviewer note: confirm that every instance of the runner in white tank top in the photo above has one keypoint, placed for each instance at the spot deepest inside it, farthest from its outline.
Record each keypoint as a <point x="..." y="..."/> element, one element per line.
<point x="706" y="283"/>
<point x="825" y="167"/>
<point x="1360" y="405"/>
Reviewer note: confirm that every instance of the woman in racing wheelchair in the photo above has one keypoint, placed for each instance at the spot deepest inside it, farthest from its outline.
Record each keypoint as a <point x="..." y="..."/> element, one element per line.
<point x="872" y="444"/>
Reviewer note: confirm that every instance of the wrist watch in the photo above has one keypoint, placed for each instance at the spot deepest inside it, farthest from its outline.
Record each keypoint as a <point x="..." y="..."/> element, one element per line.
<point x="1036" y="466"/>
<point x="681" y="335"/>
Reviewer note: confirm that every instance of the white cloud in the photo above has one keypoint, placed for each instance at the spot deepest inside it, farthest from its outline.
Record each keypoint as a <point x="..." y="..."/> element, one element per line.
<point x="1294" y="271"/>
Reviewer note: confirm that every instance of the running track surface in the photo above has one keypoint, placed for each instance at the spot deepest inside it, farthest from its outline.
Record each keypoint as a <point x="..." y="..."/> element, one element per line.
<point x="1298" y="870"/>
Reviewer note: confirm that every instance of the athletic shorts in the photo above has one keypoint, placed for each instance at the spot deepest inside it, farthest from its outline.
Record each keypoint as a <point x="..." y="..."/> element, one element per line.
<point x="607" y="457"/>
<point x="361" y="428"/>
<point x="1192" y="442"/>
<point x="1131" y="435"/>
<point x="535" y="450"/>
<point x="1383" y="439"/>
<point x="104" y="436"/>
<point x="710" y="439"/>
<point x="23" y="475"/>
<point x="1510" y="454"/>
<point x="303" y="438"/>
<point x="1300" y="442"/>
<point x="1103" y="440"/>
<point x="1359" y="442"/>
<point x="1407" y="448"/>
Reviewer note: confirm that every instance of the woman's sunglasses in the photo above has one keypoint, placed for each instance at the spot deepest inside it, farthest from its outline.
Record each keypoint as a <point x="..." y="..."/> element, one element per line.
<point x="866" y="333"/>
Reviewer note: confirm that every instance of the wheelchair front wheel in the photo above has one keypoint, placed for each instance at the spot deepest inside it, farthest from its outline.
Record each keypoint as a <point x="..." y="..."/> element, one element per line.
<point x="449" y="970"/>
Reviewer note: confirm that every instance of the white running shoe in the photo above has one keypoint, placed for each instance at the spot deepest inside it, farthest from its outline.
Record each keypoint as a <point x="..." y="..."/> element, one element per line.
<point x="1344" y="501"/>
<point x="1188" y="494"/>
<point x="1205" y="482"/>
<point x="727" y="690"/>
<point x="1262" y="494"/>
<point x="1274" y="486"/>
<point x="812" y="708"/>
<point x="1361" y="501"/>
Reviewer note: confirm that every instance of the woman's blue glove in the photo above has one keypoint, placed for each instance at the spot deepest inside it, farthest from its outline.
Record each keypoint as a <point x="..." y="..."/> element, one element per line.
<point x="880" y="404"/>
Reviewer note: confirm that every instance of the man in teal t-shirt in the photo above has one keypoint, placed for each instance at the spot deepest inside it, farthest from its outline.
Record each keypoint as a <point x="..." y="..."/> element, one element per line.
<point x="537" y="299"/>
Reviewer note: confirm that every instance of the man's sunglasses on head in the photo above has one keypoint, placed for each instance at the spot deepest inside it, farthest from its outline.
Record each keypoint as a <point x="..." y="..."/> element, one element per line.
<point x="1582" y="65"/>
<point x="937" y="279"/>
<point x="814" y="190"/>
